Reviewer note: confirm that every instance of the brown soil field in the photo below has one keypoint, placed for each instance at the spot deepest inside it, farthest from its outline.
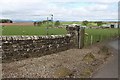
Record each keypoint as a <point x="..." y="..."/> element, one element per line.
<point x="18" y="24"/>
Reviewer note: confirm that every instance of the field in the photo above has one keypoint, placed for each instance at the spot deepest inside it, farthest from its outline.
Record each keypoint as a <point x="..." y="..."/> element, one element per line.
<point x="32" y="30"/>
<point x="98" y="35"/>
<point x="94" y="35"/>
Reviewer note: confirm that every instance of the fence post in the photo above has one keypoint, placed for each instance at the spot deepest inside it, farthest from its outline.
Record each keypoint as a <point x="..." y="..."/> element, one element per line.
<point x="91" y="38"/>
<point x="79" y="35"/>
<point x="82" y="37"/>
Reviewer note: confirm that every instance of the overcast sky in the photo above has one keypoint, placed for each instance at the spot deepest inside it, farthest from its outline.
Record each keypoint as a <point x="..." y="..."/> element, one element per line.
<point x="65" y="10"/>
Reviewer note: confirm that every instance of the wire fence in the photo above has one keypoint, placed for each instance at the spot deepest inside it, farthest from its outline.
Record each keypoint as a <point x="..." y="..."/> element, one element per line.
<point x="92" y="39"/>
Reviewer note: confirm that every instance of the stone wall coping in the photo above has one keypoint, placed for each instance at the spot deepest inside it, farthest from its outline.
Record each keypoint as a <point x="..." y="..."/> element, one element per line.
<point x="33" y="37"/>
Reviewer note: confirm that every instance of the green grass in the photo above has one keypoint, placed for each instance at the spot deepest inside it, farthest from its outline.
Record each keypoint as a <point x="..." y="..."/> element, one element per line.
<point x="99" y="35"/>
<point x="0" y="30"/>
<point x="31" y="30"/>
<point x="75" y="22"/>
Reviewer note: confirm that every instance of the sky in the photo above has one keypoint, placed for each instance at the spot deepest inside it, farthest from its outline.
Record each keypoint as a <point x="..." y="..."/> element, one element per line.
<point x="63" y="10"/>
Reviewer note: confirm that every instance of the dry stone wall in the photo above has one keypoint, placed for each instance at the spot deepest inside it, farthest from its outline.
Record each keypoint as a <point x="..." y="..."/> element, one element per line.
<point x="20" y="47"/>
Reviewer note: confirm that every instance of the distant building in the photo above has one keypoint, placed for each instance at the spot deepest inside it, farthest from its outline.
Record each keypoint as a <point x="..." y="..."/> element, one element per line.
<point x="74" y="25"/>
<point x="106" y="26"/>
<point x="114" y="25"/>
<point x="110" y="25"/>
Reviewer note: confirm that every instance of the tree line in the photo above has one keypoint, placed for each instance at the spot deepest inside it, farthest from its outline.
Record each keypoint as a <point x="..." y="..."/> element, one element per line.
<point x="99" y="23"/>
<point x="49" y="23"/>
<point x="6" y="21"/>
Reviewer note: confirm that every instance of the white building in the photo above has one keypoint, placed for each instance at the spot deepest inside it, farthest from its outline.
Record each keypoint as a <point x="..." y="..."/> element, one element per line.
<point x="114" y="25"/>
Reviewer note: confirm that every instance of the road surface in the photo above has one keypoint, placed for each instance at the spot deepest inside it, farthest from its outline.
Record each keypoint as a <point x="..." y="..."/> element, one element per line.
<point x="110" y="68"/>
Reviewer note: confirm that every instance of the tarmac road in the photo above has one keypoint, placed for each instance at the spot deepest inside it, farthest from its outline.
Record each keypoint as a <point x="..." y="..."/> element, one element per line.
<point x="110" y="68"/>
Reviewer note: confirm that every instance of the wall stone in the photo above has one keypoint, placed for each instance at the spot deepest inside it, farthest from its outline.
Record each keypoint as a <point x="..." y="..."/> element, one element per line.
<point x="20" y="47"/>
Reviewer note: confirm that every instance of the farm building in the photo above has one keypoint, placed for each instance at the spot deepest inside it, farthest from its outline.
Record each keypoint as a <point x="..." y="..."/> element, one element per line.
<point x="74" y="25"/>
<point x="114" y="25"/>
<point x="106" y="26"/>
<point x="110" y="25"/>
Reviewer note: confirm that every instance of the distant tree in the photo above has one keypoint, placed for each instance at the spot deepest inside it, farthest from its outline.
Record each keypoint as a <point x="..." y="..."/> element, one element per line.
<point x="100" y="23"/>
<point x="6" y="21"/>
<point x="39" y="23"/>
<point x="85" y="23"/>
<point x="49" y="20"/>
<point x="11" y="21"/>
<point x="45" y="21"/>
<point x="35" y="23"/>
<point x="57" y="23"/>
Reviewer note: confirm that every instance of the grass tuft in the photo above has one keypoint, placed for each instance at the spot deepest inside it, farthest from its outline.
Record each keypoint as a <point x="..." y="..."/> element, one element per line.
<point x="62" y="72"/>
<point x="89" y="58"/>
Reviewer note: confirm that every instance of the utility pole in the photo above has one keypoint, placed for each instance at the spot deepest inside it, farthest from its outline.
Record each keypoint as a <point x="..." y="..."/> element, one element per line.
<point x="47" y="18"/>
<point x="47" y="25"/>
<point x="52" y="19"/>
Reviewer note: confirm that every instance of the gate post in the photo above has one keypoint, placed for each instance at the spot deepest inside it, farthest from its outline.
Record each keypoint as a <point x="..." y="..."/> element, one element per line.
<point x="78" y="34"/>
<point x="80" y="37"/>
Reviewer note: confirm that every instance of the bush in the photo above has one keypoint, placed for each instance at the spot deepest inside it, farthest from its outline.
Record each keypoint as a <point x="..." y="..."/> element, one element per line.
<point x="57" y="23"/>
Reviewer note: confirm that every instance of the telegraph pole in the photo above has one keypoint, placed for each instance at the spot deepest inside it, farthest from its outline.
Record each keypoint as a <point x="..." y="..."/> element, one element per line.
<point x="52" y="19"/>
<point x="47" y="25"/>
<point x="47" y="18"/>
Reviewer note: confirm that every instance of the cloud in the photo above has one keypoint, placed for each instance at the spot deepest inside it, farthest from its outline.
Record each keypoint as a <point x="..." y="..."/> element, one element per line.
<point x="62" y="9"/>
<point x="93" y="1"/>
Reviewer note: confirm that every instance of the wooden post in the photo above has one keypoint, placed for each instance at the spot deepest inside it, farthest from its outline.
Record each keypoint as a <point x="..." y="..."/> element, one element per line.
<point x="91" y="39"/>
<point x="78" y="36"/>
<point x="82" y="37"/>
